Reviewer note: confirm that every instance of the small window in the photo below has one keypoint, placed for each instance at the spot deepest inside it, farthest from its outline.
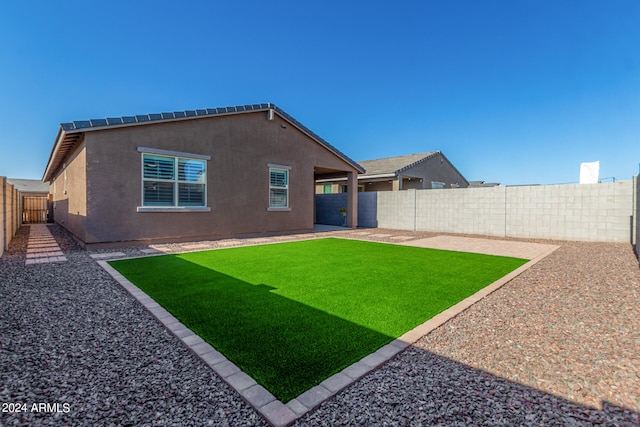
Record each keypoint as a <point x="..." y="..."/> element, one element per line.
<point x="437" y="185"/>
<point x="328" y="188"/>
<point x="278" y="188"/>
<point x="173" y="181"/>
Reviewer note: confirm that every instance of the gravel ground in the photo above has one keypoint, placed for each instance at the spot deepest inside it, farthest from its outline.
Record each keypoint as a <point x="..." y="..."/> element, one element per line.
<point x="71" y="335"/>
<point x="558" y="345"/>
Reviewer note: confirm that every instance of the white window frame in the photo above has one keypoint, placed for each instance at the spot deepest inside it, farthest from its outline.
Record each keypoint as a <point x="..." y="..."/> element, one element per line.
<point x="176" y="156"/>
<point x="287" y="170"/>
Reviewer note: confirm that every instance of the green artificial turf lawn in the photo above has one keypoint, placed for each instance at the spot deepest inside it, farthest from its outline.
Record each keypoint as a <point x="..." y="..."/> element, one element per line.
<point x="292" y="314"/>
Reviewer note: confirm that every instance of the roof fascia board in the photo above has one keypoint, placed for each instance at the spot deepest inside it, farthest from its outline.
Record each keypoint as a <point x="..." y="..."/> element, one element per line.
<point x="302" y="128"/>
<point x="62" y="132"/>
<point x="56" y="147"/>
<point x="152" y="122"/>
<point x="380" y="175"/>
<point x="409" y="166"/>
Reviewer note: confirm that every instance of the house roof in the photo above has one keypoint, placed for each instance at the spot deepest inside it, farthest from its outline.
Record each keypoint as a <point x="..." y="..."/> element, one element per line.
<point x="394" y="165"/>
<point x="70" y="133"/>
<point x="29" y="185"/>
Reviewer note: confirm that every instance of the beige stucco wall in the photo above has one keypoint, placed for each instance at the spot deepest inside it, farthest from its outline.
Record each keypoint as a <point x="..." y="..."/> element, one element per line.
<point x="241" y="146"/>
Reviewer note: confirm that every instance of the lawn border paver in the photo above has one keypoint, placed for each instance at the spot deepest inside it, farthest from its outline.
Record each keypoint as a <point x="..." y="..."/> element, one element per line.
<point x="277" y="413"/>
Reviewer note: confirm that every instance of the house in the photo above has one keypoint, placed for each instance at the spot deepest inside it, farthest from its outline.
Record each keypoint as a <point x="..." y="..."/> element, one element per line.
<point x="191" y="175"/>
<point x="414" y="171"/>
<point x="475" y="184"/>
<point x="34" y="199"/>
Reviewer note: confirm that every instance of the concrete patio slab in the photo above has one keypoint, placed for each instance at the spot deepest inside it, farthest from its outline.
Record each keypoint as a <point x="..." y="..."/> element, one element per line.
<point x="509" y="248"/>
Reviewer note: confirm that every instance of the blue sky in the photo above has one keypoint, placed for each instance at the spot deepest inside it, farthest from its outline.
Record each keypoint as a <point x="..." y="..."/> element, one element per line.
<point x="518" y="92"/>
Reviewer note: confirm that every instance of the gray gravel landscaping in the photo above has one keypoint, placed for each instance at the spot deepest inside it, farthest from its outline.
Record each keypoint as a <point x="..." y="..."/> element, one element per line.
<point x="558" y="345"/>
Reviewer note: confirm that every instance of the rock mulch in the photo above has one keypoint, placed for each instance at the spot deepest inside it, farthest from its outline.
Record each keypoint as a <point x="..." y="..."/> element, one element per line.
<point x="558" y="345"/>
<point x="569" y="326"/>
<point x="71" y="336"/>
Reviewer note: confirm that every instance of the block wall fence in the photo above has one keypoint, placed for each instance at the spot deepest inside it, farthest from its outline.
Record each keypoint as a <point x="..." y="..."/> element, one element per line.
<point x="328" y="209"/>
<point x="636" y="216"/>
<point x="605" y="212"/>
<point x="10" y="215"/>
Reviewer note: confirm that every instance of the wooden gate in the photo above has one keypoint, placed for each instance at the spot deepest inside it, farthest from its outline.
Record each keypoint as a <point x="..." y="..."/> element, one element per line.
<point x="34" y="209"/>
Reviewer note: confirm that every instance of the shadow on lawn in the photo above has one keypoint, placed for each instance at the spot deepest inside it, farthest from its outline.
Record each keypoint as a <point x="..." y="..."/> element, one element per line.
<point x="289" y="347"/>
<point x="286" y="346"/>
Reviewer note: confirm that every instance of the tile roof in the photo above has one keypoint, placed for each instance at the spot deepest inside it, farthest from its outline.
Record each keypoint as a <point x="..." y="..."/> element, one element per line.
<point x="82" y="125"/>
<point x="394" y="165"/>
<point x="69" y="133"/>
<point x="29" y="185"/>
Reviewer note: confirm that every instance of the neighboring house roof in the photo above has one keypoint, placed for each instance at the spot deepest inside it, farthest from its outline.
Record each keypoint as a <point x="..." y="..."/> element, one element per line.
<point x="483" y="184"/>
<point x="392" y="166"/>
<point x="70" y="133"/>
<point x="29" y="185"/>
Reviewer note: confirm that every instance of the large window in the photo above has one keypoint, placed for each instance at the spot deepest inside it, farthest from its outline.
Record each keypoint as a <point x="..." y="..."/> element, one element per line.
<point x="173" y="181"/>
<point x="278" y="188"/>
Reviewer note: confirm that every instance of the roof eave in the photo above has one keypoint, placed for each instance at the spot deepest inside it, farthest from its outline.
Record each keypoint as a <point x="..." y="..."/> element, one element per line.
<point x="302" y="128"/>
<point x="72" y="128"/>
<point x="379" y="175"/>
<point x="409" y="166"/>
<point x="58" y="142"/>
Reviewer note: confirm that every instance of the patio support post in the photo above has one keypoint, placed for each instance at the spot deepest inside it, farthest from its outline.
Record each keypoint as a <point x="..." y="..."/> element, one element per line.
<point x="352" y="199"/>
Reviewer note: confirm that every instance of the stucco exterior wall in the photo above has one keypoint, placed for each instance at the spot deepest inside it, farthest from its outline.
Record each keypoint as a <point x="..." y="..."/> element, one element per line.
<point x="434" y="169"/>
<point x="594" y="212"/>
<point x="241" y="147"/>
<point x="69" y="195"/>
<point x="377" y="185"/>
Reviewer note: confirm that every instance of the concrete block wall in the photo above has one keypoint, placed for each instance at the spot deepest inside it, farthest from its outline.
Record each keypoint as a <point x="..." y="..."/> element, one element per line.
<point x="468" y="211"/>
<point x="636" y="222"/>
<point x="328" y="209"/>
<point x="397" y="209"/>
<point x="586" y="212"/>
<point x="594" y="212"/>
<point x="368" y="209"/>
<point x="10" y="215"/>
